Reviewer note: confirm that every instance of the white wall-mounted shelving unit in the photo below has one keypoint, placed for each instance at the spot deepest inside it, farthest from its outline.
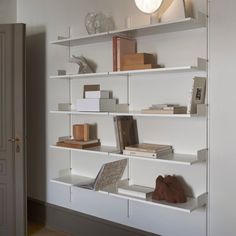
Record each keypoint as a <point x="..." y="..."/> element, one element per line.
<point x="188" y="163"/>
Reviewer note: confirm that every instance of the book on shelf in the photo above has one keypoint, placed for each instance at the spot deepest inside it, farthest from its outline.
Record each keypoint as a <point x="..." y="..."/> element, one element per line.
<point x="122" y="46"/>
<point x="149" y="147"/>
<point x="166" y="110"/>
<point x="163" y="105"/>
<point x="72" y="143"/>
<point x="136" y="191"/>
<point x="147" y="154"/>
<point x="126" y="131"/>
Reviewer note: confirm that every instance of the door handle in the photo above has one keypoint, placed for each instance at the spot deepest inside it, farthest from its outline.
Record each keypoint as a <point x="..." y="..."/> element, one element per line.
<point x="13" y="140"/>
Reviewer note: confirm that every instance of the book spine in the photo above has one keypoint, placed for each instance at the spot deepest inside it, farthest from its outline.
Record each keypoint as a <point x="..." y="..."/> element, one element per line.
<point x="114" y="48"/>
<point x="141" y="154"/>
<point x="115" y="119"/>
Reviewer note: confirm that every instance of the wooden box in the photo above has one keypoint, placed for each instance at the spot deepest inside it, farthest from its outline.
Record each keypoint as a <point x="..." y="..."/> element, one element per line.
<point x="138" y="59"/>
<point x="81" y="132"/>
<point x="140" y="67"/>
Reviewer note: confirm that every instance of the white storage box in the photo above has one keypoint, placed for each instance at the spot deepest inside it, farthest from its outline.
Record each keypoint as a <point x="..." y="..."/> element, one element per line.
<point x="97" y="94"/>
<point x="95" y="104"/>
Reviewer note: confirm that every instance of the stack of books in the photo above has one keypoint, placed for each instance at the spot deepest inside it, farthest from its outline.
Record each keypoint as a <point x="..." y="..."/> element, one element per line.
<point x="165" y="109"/>
<point x="148" y="150"/>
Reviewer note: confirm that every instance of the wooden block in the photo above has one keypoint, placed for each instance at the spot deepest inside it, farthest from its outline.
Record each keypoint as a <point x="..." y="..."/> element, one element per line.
<point x="138" y="59"/>
<point x="140" y="67"/>
<point x="78" y="132"/>
<point x="86" y="132"/>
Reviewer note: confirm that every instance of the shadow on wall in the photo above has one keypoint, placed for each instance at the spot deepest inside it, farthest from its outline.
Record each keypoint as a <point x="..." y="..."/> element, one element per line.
<point x="36" y="108"/>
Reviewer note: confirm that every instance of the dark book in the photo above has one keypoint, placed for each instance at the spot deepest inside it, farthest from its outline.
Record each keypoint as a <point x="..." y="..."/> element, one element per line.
<point x="126" y="131"/>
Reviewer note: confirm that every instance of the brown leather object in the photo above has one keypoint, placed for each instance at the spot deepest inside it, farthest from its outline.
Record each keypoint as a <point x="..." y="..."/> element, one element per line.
<point x="169" y="189"/>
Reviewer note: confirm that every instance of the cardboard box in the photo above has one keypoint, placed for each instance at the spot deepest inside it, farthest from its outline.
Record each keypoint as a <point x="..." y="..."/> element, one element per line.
<point x="97" y="94"/>
<point x="96" y="104"/>
<point x="64" y="107"/>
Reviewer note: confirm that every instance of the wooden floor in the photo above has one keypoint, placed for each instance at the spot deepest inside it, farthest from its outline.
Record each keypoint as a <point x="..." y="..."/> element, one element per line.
<point x="40" y="230"/>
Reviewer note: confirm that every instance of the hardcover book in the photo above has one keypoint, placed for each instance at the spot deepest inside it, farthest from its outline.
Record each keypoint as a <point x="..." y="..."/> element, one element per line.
<point x="136" y="191"/>
<point x="147" y="154"/>
<point x="148" y="147"/>
<point x="122" y="46"/>
<point x="126" y="131"/>
<point x="72" y="143"/>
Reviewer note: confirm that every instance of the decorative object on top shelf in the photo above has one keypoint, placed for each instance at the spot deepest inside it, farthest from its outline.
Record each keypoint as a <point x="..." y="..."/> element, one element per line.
<point x="169" y="189"/>
<point x="84" y="66"/>
<point x="97" y="22"/>
<point x="163" y="10"/>
<point x="148" y="6"/>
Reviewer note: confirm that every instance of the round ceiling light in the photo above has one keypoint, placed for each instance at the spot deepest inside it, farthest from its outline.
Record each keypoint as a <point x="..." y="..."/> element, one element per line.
<point x="148" y="6"/>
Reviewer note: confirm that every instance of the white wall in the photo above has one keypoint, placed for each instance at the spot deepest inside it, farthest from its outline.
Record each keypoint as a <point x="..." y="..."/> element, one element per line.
<point x="222" y="118"/>
<point x="7" y="11"/>
<point x="46" y="18"/>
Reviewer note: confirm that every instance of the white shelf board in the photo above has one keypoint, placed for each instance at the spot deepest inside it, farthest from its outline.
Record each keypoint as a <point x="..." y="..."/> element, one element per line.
<point x="80" y="113"/>
<point x="70" y="180"/>
<point x="138" y="113"/>
<point x="79" y="76"/>
<point x="158" y="70"/>
<point x="98" y="150"/>
<point x="131" y="113"/>
<point x="130" y="72"/>
<point x="157" y="28"/>
<point x="176" y="158"/>
<point x="187" y="207"/>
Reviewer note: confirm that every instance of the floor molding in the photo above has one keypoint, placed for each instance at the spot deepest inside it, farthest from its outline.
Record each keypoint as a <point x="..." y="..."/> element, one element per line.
<point x="76" y="223"/>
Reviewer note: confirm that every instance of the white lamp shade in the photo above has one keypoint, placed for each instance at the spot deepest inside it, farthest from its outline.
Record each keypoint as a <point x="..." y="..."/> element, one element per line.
<point x="148" y="6"/>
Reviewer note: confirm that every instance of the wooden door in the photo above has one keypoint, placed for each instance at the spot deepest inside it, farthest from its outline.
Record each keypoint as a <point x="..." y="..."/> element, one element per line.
<point x="12" y="123"/>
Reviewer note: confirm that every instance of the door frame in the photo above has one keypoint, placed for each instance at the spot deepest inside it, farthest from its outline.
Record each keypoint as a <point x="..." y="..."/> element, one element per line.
<point x="19" y="128"/>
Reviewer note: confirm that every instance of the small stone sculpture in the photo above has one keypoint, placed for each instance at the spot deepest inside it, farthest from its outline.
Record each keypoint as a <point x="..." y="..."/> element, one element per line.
<point x="84" y="66"/>
<point x="97" y="22"/>
<point x="169" y="189"/>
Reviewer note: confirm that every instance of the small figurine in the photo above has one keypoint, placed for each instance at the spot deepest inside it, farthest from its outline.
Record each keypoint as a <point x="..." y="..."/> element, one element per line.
<point x="84" y="66"/>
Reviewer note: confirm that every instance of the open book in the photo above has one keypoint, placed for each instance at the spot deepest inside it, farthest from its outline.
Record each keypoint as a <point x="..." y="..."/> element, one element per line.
<point x="110" y="173"/>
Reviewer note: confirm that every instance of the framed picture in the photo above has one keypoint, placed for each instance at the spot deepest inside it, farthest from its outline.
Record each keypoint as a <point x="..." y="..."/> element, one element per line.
<point x="198" y="94"/>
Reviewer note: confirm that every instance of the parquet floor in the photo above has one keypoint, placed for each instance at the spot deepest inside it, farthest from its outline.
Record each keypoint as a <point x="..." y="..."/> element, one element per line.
<point x="40" y="230"/>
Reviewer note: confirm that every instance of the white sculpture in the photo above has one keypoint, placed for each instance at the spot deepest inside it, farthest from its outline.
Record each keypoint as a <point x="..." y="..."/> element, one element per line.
<point x="84" y="66"/>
